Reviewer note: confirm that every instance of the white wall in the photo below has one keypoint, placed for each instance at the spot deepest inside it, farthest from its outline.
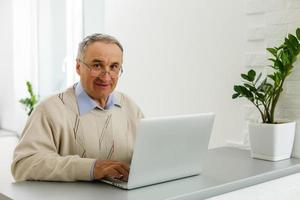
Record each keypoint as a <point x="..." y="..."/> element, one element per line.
<point x="182" y="57"/>
<point x="93" y="18"/>
<point x="6" y="69"/>
<point x="25" y="59"/>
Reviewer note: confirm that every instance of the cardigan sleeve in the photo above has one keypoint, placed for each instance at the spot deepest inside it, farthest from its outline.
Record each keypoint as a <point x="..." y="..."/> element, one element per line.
<point x="36" y="156"/>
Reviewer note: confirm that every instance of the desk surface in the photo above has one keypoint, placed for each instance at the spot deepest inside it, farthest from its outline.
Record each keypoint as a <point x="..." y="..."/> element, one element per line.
<point x="226" y="169"/>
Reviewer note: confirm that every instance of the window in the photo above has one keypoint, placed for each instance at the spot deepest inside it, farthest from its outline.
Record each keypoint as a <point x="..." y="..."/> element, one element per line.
<point x="45" y="37"/>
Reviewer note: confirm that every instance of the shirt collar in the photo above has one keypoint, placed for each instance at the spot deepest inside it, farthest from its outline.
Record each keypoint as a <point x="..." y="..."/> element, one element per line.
<point x="86" y="103"/>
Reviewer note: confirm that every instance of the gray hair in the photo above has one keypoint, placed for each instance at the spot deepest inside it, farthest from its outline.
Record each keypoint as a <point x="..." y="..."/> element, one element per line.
<point x="96" y="37"/>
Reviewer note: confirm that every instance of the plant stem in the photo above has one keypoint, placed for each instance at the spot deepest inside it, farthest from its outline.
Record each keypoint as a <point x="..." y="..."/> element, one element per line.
<point x="274" y="102"/>
<point x="267" y="113"/>
<point x="261" y="113"/>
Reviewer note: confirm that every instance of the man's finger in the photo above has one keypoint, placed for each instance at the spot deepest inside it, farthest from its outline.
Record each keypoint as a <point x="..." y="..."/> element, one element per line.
<point x="122" y="171"/>
<point x="112" y="172"/>
<point x="125" y="166"/>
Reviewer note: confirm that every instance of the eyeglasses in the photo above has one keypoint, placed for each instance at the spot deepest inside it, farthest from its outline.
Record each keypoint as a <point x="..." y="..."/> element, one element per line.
<point x="96" y="69"/>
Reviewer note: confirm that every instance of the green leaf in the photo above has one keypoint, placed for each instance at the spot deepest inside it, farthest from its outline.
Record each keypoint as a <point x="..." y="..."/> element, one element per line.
<point x="234" y="96"/>
<point x="30" y="101"/>
<point x="278" y="77"/>
<point x="285" y="61"/>
<point x="287" y="43"/>
<point x="251" y="75"/>
<point x="291" y="51"/>
<point x="289" y="72"/>
<point x="262" y="84"/>
<point x="245" y="76"/>
<point x="298" y="33"/>
<point x="260" y="96"/>
<point x="29" y="88"/>
<point x="273" y="51"/>
<point x="293" y="39"/>
<point x="243" y="91"/>
<point x="281" y="46"/>
<point x="272" y="59"/>
<point x="237" y="89"/>
<point x="257" y="79"/>
<point x="268" y="85"/>
<point x="250" y="87"/>
<point x="271" y="77"/>
<point x="279" y="64"/>
<point x="291" y="46"/>
<point x="22" y="101"/>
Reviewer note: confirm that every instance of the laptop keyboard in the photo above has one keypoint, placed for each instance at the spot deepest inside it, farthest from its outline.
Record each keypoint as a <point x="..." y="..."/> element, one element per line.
<point x="115" y="180"/>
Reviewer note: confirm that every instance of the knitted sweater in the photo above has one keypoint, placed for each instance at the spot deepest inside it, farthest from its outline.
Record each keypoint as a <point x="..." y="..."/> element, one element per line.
<point x="58" y="144"/>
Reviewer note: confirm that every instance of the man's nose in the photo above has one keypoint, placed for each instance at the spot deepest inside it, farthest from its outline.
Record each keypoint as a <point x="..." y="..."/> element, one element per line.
<point x="104" y="75"/>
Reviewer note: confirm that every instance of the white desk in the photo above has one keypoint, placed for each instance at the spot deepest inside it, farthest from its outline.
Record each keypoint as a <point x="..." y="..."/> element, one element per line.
<point x="226" y="169"/>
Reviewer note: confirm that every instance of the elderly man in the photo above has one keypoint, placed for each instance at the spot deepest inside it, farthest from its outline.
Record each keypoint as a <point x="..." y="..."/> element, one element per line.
<point x="86" y="132"/>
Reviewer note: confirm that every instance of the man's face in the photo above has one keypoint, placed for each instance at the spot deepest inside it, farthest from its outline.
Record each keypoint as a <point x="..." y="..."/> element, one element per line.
<point x="107" y="55"/>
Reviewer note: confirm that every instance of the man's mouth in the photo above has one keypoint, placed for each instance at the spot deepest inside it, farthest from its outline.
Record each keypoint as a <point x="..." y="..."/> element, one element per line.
<point x="100" y="84"/>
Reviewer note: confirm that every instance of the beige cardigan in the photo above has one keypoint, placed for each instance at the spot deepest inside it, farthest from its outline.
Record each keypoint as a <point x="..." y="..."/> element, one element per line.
<point x="59" y="145"/>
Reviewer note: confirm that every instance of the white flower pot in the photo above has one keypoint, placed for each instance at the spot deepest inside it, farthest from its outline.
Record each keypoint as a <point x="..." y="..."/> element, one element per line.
<point x="271" y="141"/>
<point x="296" y="148"/>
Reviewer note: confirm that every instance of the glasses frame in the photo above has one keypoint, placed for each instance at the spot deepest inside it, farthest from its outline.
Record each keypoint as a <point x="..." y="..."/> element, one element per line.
<point x="101" y="72"/>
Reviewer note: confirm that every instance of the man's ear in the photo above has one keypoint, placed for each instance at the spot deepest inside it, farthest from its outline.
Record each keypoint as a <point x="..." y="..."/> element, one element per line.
<point x="78" y="66"/>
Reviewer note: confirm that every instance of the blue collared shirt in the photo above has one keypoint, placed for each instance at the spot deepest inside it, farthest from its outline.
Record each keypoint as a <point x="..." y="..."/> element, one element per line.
<point x="86" y="103"/>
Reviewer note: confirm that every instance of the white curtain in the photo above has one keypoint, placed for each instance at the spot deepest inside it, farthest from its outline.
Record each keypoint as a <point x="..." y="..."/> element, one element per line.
<point x="25" y="55"/>
<point x="74" y="31"/>
<point x="46" y="34"/>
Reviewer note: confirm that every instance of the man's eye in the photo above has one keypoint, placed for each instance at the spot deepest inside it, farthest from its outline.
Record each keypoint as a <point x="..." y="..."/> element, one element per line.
<point x="114" y="67"/>
<point x="96" y="66"/>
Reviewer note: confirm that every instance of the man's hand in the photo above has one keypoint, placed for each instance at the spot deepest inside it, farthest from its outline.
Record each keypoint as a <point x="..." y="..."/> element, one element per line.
<point x="112" y="169"/>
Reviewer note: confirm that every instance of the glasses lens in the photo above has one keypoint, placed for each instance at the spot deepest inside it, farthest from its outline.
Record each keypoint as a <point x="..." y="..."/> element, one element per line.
<point x="112" y="74"/>
<point x="115" y="74"/>
<point x="95" y="72"/>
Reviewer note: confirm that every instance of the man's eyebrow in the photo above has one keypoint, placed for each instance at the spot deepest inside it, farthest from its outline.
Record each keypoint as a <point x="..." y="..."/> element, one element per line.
<point x="115" y="63"/>
<point x="97" y="60"/>
<point x="101" y="61"/>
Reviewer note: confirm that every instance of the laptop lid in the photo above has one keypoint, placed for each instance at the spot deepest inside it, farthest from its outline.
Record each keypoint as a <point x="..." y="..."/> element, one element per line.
<point x="169" y="148"/>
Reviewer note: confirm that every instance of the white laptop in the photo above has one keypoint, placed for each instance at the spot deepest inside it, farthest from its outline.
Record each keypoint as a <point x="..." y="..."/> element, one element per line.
<point x="168" y="148"/>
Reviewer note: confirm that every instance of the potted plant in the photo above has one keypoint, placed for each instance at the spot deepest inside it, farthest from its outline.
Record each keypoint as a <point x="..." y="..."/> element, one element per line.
<point x="31" y="101"/>
<point x="271" y="139"/>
